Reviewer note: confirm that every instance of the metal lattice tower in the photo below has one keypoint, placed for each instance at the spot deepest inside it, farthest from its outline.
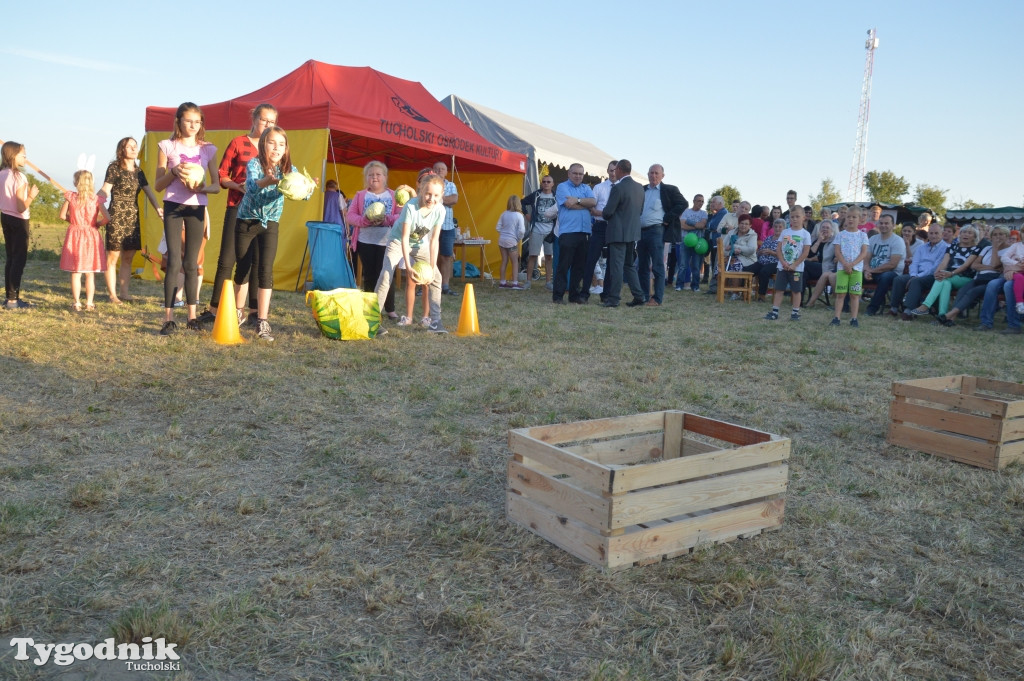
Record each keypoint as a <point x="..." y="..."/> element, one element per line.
<point x="860" y="148"/>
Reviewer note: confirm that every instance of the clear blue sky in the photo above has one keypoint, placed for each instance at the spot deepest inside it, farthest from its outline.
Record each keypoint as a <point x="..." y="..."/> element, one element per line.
<point x="763" y="96"/>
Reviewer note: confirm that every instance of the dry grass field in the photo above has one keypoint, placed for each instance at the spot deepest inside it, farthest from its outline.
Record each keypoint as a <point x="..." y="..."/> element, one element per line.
<point x="312" y="509"/>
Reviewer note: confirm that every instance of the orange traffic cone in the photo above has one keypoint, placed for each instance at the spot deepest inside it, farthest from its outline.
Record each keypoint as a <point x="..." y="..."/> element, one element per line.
<point x="225" y="327"/>
<point x="469" y="325"/>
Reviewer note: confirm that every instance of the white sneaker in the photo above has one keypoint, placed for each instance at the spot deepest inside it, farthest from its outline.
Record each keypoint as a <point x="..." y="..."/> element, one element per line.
<point x="404" y="321"/>
<point x="425" y="322"/>
<point x="263" y="330"/>
<point x="595" y="290"/>
<point x="1020" y="308"/>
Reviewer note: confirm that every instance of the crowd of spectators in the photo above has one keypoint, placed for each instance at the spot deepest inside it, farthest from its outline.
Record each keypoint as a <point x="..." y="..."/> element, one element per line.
<point x="907" y="271"/>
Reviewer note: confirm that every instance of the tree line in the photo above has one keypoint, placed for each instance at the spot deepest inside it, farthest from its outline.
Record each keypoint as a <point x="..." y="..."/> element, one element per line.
<point x="882" y="187"/>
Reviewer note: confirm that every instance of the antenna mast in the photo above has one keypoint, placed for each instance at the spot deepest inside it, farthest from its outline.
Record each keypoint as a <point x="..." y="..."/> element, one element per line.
<point x="860" y="147"/>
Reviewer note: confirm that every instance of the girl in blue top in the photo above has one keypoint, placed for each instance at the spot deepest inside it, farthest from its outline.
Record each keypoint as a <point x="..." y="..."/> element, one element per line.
<point x="258" y="216"/>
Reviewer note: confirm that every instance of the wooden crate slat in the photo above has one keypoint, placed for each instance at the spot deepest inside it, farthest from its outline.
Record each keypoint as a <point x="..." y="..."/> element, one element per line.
<point x="942" y="419"/>
<point x="565" y="533"/>
<point x="700" y="465"/>
<point x="957" y="400"/>
<point x="561" y="496"/>
<point x="1014" y="409"/>
<point x="1005" y="387"/>
<point x="1010" y="453"/>
<point x="691" y="447"/>
<point x="663" y="502"/>
<point x="677" y="537"/>
<point x="720" y="430"/>
<point x="949" y="446"/>
<point x="621" y="450"/>
<point x="939" y="383"/>
<point x="592" y="475"/>
<point x="672" y="443"/>
<point x="1013" y="429"/>
<point x="598" y="428"/>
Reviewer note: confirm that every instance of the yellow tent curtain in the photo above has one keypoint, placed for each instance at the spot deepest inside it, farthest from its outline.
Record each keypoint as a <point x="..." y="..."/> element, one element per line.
<point x="482" y="198"/>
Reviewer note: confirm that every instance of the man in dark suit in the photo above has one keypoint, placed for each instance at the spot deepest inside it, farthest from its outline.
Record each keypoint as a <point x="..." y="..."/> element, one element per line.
<point x="659" y="224"/>
<point x="622" y="212"/>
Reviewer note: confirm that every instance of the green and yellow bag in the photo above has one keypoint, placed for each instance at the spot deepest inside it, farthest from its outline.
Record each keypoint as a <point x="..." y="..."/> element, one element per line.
<point x="345" y="313"/>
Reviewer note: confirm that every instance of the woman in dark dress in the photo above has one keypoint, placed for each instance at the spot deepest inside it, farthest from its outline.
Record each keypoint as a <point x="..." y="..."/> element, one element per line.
<point x="122" y="183"/>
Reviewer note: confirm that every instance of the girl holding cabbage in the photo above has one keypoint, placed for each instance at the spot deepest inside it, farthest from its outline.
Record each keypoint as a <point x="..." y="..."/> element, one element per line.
<point x="182" y="163"/>
<point x="258" y="216"/>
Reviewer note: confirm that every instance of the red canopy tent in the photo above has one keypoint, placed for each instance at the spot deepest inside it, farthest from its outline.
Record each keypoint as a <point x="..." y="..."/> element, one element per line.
<point x="370" y="114"/>
<point x="338" y="119"/>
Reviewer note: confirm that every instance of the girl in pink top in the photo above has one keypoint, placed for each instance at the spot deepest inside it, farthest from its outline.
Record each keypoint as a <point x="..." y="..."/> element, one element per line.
<point x="83" y="245"/>
<point x="373" y="234"/>
<point x="185" y="205"/>
<point x="16" y="195"/>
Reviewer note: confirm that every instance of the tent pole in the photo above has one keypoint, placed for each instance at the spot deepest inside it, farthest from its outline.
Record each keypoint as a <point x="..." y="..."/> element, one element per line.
<point x="472" y="220"/>
<point x="345" y="245"/>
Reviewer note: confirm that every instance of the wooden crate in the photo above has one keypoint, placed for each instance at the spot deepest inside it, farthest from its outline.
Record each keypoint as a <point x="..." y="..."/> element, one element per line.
<point x="638" y="489"/>
<point x="963" y="418"/>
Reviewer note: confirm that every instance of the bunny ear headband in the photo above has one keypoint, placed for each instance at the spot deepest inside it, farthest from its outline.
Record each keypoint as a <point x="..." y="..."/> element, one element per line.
<point x="86" y="163"/>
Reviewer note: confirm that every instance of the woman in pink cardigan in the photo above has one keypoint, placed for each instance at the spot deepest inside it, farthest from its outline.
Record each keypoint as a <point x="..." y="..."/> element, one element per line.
<point x="370" y="235"/>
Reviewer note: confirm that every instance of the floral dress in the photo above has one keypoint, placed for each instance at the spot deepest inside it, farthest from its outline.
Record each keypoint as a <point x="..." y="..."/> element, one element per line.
<point x="772" y="244"/>
<point x="123" y="233"/>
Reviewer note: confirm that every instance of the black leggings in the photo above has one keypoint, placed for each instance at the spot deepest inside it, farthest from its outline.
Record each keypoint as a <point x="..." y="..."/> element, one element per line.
<point x="176" y="217"/>
<point x="226" y="259"/>
<point x="16" y="233"/>
<point x="372" y="258"/>
<point x="252" y="239"/>
<point x="764" y="275"/>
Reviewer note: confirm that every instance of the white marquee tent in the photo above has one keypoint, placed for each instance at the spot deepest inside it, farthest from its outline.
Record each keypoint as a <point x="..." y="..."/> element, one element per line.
<point x="538" y="143"/>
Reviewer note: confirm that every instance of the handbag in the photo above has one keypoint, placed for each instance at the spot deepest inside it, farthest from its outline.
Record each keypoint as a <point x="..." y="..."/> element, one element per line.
<point x="345" y="314"/>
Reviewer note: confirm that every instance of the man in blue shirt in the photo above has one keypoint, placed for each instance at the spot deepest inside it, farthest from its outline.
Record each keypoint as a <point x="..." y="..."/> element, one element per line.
<point x="663" y="204"/>
<point x="574" y="200"/>
<point x="926" y="260"/>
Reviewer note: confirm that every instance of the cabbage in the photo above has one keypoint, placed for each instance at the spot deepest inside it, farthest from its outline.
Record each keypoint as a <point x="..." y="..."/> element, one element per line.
<point x="402" y="196"/>
<point x="375" y="211"/>
<point x="296" y="186"/>
<point x="424" y="273"/>
<point x="192" y="175"/>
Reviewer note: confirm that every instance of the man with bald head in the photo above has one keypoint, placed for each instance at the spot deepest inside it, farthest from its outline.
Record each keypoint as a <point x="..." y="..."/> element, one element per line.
<point x="574" y="200"/>
<point x="659" y="222"/>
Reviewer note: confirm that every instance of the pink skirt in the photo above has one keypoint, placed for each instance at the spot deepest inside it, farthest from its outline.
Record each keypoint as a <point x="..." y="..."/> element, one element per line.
<point x="83" y="250"/>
